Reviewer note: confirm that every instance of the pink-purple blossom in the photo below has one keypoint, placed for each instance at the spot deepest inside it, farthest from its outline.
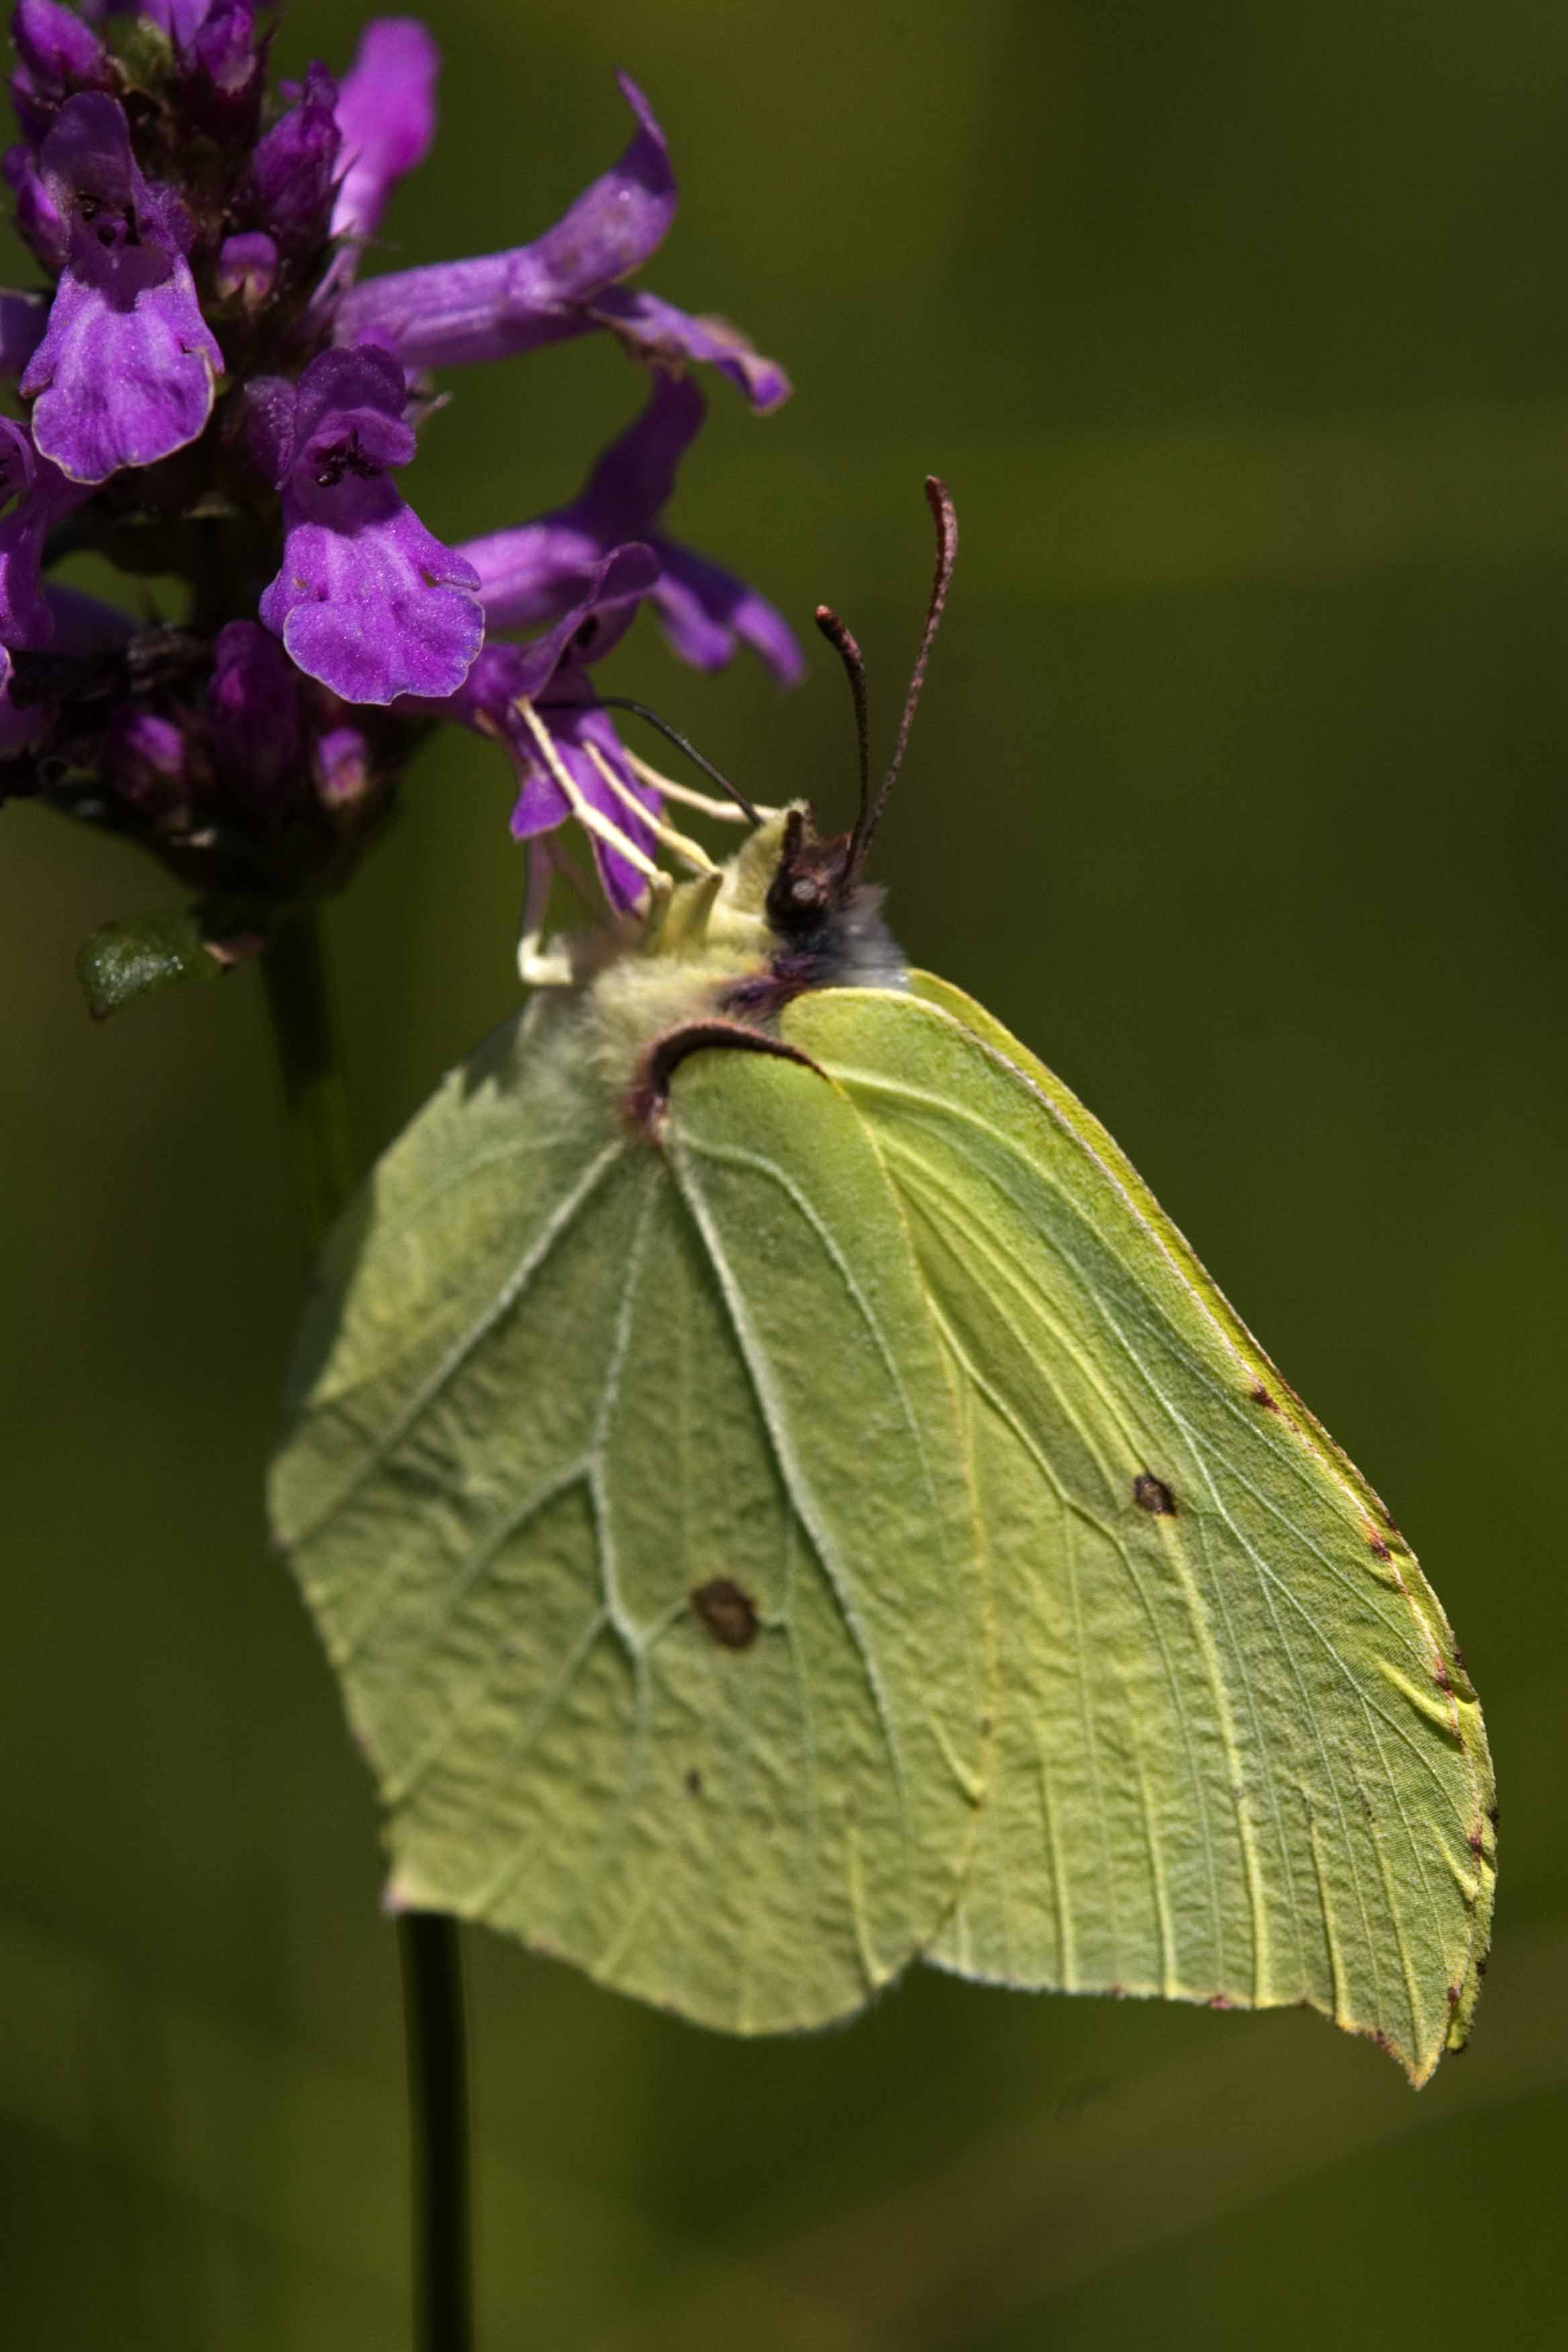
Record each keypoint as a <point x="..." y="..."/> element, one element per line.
<point x="220" y="382"/>
<point x="516" y="692"/>
<point x="366" y="599"/>
<point x="532" y="572"/>
<point x="124" y="373"/>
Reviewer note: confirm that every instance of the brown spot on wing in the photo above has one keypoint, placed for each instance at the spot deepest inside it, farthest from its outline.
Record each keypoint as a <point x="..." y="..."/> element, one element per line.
<point x="1152" y="1495"/>
<point x="727" y="1611"/>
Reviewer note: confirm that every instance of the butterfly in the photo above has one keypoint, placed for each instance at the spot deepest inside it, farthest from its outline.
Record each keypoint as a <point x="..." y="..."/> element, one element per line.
<point x="783" y="1502"/>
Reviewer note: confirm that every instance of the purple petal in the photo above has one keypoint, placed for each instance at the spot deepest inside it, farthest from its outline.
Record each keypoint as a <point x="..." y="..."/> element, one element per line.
<point x="454" y="311"/>
<point x="704" y="609"/>
<point x="225" y="71"/>
<point x="635" y="478"/>
<point x="85" y="625"/>
<point x="656" y="330"/>
<point x="540" y="805"/>
<point x="526" y="574"/>
<point x="343" y="381"/>
<point x="38" y="224"/>
<point x="271" y="403"/>
<point x="124" y="373"/>
<point x="341" y="760"/>
<point x="147" y="760"/>
<point x="378" y="609"/>
<point x="623" y="885"/>
<point x="386" y="118"/>
<point x="180" y="19"/>
<point x="23" y="318"/>
<point x="55" y="45"/>
<point x="121" y="385"/>
<point x="608" y="607"/>
<point x="37" y="494"/>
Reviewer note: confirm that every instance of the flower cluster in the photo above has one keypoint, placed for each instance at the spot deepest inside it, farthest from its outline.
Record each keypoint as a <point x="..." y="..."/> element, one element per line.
<point x="205" y="386"/>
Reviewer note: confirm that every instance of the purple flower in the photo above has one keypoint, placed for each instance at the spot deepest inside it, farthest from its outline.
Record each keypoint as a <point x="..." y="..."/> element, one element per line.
<point x="563" y="284"/>
<point x="549" y="677"/>
<point x="288" y="189"/>
<point x="253" y="704"/>
<point x="255" y="748"/>
<point x="530" y="573"/>
<point x="246" y="267"/>
<point x="59" y="56"/>
<point x="386" y="118"/>
<point x="341" y="766"/>
<point x="124" y="373"/>
<point x="367" y="601"/>
<point x="147" y="758"/>
<point x="34" y="495"/>
<point x="224" y="73"/>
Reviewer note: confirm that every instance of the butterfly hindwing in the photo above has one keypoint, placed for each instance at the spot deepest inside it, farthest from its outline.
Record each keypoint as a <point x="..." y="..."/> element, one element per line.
<point x="627" y="1485"/>
<point x="1237" y="1758"/>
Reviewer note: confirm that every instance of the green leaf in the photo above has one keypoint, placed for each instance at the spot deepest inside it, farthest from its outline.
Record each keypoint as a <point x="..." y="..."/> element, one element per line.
<point x="124" y="960"/>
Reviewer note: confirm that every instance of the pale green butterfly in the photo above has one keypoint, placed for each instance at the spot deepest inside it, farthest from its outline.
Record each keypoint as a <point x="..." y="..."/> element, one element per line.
<point x="784" y="1502"/>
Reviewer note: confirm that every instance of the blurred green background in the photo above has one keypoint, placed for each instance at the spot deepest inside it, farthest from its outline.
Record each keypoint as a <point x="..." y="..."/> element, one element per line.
<point x="1239" y="331"/>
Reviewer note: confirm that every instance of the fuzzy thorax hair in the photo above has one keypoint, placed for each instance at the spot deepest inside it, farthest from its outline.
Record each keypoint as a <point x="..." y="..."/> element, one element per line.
<point x="716" y="948"/>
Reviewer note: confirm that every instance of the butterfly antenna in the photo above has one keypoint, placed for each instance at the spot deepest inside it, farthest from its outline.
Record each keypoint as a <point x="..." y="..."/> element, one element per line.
<point x="671" y="735"/>
<point x="849" y="654"/>
<point x="946" y="522"/>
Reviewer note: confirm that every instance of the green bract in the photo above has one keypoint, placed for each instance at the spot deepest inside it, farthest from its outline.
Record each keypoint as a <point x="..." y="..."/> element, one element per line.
<point x="809" y="1514"/>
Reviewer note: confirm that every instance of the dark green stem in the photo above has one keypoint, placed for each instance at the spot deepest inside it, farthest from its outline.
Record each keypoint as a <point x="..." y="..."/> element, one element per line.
<point x="295" y="975"/>
<point x="298" y="1001"/>
<point x="439" y="2108"/>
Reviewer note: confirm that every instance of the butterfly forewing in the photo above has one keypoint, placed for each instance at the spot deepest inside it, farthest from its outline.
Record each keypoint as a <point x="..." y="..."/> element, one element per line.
<point x="636" y="1633"/>
<point x="1236" y="1758"/>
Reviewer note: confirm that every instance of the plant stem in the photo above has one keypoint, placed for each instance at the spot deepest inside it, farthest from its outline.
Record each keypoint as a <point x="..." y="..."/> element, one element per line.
<point x="294" y="972"/>
<point x="438" y="2113"/>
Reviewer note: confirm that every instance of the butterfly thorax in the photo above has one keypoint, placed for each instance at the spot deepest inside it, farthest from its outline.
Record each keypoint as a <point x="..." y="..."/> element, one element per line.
<point x="732" y="949"/>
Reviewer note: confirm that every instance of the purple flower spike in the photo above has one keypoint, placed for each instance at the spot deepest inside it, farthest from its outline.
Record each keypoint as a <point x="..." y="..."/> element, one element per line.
<point x="386" y="118"/>
<point x="124" y="373"/>
<point x="529" y="574"/>
<point x="367" y="600"/>
<point x="453" y="311"/>
<point x="35" y="495"/>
